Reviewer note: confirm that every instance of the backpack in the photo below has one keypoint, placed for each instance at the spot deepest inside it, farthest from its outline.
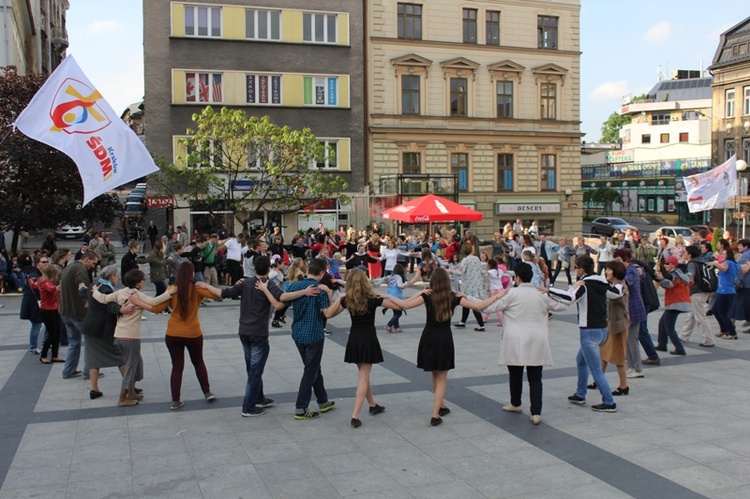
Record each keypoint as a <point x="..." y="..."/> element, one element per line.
<point x="706" y="278"/>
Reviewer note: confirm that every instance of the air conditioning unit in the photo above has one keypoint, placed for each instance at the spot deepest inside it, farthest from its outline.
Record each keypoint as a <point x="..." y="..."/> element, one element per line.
<point x="675" y="118"/>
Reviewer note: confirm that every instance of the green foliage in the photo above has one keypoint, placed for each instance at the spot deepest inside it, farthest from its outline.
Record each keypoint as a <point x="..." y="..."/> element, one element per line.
<point x="40" y="187"/>
<point x="248" y="164"/>
<point x="611" y="127"/>
<point x="606" y="195"/>
<point x="718" y="234"/>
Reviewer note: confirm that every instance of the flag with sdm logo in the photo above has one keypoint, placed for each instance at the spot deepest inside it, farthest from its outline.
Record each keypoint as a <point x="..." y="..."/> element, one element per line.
<point x="69" y="114"/>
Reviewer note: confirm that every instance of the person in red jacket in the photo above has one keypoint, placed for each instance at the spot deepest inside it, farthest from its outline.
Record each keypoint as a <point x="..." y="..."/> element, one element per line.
<point x="49" y="291"/>
<point x="676" y="284"/>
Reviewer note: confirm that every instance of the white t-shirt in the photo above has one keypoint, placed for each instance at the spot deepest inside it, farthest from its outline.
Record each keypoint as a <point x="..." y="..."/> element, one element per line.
<point x="234" y="250"/>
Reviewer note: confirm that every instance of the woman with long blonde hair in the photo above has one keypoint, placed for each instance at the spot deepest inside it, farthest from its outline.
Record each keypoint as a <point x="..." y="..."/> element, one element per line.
<point x="297" y="270"/>
<point x="436" y="352"/>
<point x="363" y="347"/>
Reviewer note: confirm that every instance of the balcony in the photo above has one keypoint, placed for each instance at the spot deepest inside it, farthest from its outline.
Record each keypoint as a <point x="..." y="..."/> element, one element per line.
<point x="60" y="39"/>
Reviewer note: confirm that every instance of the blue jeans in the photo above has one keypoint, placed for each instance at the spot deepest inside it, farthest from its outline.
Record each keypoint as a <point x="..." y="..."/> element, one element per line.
<point x="722" y="309"/>
<point x="34" y="335"/>
<point x="394" y="320"/>
<point x="588" y="359"/>
<point x="644" y="338"/>
<point x="256" y="353"/>
<point x="199" y="277"/>
<point x="666" y="330"/>
<point x="75" y="340"/>
<point x="161" y="287"/>
<point x="312" y="377"/>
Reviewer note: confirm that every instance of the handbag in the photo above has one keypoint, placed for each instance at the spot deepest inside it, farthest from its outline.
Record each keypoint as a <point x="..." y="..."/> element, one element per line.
<point x="566" y="265"/>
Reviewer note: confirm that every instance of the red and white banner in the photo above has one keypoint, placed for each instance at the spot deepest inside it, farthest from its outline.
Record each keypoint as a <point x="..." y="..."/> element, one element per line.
<point x="712" y="189"/>
<point x="69" y="114"/>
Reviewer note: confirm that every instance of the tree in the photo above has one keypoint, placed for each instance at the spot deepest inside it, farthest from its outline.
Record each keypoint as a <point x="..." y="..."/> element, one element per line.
<point x="40" y="187"/>
<point x="607" y="195"/>
<point x="248" y="164"/>
<point x="611" y="127"/>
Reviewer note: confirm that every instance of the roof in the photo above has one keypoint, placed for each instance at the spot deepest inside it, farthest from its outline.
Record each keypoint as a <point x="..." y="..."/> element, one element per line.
<point x="734" y="46"/>
<point x="681" y="90"/>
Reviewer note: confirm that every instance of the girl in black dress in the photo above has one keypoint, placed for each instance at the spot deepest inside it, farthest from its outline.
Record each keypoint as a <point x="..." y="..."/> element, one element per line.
<point x="435" y="352"/>
<point x="363" y="347"/>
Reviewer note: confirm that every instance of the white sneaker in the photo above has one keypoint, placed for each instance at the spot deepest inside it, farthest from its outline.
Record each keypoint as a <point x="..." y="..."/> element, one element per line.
<point x="536" y="419"/>
<point x="512" y="408"/>
<point x="634" y="374"/>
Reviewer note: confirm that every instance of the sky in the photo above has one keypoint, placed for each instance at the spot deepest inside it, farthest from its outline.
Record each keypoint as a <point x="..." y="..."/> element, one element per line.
<point x="623" y="44"/>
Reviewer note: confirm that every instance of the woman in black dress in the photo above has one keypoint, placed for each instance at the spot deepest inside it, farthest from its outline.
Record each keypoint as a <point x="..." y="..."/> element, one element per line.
<point x="436" y="353"/>
<point x="363" y="347"/>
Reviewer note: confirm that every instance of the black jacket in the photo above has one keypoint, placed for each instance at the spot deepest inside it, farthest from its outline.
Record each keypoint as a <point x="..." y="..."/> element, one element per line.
<point x="591" y="299"/>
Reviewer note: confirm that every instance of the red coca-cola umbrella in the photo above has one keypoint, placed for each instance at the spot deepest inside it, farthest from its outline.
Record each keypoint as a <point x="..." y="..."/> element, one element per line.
<point x="431" y="208"/>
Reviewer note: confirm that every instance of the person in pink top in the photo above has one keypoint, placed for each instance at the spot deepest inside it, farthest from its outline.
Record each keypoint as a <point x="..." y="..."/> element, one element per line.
<point x="49" y="291"/>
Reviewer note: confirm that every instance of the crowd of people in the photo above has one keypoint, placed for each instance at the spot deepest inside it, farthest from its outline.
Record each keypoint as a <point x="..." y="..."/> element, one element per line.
<point x="320" y="273"/>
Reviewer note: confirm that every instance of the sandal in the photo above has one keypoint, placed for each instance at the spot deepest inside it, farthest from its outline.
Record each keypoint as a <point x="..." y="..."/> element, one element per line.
<point x="44" y="361"/>
<point x="57" y="359"/>
<point x="479" y="328"/>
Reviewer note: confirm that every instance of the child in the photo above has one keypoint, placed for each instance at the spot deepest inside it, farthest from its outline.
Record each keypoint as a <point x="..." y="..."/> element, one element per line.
<point x="453" y="265"/>
<point x="49" y="290"/>
<point x="128" y="330"/>
<point x="391" y="255"/>
<point x="396" y="286"/>
<point x="495" y="275"/>
<point x="538" y="280"/>
<point x="277" y="276"/>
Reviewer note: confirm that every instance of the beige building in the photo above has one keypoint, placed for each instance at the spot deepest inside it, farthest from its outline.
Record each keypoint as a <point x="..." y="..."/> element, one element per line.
<point x="487" y="90"/>
<point x="32" y="34"/>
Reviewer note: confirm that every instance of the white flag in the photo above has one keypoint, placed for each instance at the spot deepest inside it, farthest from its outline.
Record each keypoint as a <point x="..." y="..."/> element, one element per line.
<point x="712" y="189"/>
<point x="69" y="114"/>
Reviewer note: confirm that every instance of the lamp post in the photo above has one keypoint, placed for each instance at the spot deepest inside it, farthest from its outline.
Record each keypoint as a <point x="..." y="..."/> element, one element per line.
<point x="741" y="167"/>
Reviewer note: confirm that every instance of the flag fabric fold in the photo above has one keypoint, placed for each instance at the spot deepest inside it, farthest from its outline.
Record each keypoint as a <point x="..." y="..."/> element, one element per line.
<point x="69" y="114"/>
<point x="712" y="189"/>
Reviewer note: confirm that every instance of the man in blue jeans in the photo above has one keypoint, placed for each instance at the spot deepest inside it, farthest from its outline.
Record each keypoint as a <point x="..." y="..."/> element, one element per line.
<point x="74" y="286"/>
<point x="258" y="295"/>
<point x="307" y="333"/>
<point x="590" y="294"/>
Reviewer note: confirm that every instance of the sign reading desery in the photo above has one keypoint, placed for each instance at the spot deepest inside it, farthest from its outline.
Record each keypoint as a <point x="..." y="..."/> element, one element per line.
<point x="520" y="208"/>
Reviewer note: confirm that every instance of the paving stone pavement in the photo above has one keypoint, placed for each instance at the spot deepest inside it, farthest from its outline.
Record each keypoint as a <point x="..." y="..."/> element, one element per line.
<point x="682" y="432"/>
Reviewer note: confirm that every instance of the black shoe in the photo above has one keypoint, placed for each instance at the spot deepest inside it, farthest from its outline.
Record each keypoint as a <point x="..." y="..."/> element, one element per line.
<point x="282" y="320"/>
<point x="621" y="391"/>
<point x="709" y="313"/>
<point x="661" y="349"/>
<point x="592" y="386"/>
<point x="459" y="324"/>
<point x="136" y="390"/>
<point x="266" y="403"/>
<point x="652" y="362"/>
<point x="575" y="399"/>
<point x="376" y="409"/>
<point x="94" y="394"/>
<point x="675" y="352"/>
<point x="436" y="421"/>
<point x="356" y="423"/>
<point x="275" y="324"/>
<point x="444" y="411"/>
<point x="604" y="408"/>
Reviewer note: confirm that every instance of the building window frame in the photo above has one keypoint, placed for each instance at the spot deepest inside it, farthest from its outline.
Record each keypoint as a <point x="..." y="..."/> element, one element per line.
<point x="329" y="161"/>
<point x="320" y="28"/>
<point x="411" y="163"/>
<point x="459" y="94"/>
<point x="660" y="118"/>
<point x="746" y="101"/>
<point x="504" y="109"/>
<point x="506" y="72"/>
<point x="210" y="83"/>
<point x="684" y="137"/>
<point x="505" y="172"/>
<point x="492" y="27"/>
<point x="548" y="172"/>
<point x="646" y="138"/>
<point x="263" y="89"/>
<point x="409" y="21"/>
<point x="728" y="149"/>
<point x="547" y="32"/>
<point x="411" y="97"/>
<point x="460" y="166"/>
<point x="213" y="21"/>
<point x="260" y="22"/>
<point x="729" y="95"/>
<point x="411" y="65"/>
<point x="548" y="100"/>
<point x="746" y="150"/>
<point x="320" y="90"/>
<point x="470" y="25"/>
<point x="664" y="138"/>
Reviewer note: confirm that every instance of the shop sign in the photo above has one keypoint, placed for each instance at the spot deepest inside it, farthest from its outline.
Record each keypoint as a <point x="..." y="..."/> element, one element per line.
<point x="159" y="201"/>
<point x="526" y="208"/>
<point x="620" y="157"/>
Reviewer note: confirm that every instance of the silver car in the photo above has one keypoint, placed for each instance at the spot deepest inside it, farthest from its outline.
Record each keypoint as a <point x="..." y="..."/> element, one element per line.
<point x="608" y="225"/>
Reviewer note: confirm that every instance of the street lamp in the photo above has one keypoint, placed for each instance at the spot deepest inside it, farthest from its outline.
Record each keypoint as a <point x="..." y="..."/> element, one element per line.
<point x="741" y="167"/>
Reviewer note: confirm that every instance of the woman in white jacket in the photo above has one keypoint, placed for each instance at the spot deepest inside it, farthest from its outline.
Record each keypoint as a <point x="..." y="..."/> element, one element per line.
<point x="525" y="340"/>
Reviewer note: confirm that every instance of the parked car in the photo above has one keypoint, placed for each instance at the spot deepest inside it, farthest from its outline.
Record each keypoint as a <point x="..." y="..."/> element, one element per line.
<point x="708" y="228"/>
<point x="135" y="198"/>
<point x="607" y="225"/>
<point x="644" y="224"/>
<point x="133" y="208"/>
<point x="670" y="231"/>
<point x="138" y="191"/>
<point x="142" y="185"/>
<point x="70" y="231"/>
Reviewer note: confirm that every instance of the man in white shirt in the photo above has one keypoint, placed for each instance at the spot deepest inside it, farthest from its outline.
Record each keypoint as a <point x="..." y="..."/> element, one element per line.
<point x="235" y="250"/>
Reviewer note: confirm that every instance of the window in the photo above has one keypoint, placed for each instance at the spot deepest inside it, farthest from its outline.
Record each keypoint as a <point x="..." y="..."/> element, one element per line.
<point x="410" y="21"/>
<point x="549" y="101"/>
<point x="263" y="89"/>
<point x="646" y="138"/>
<point x="410" y="164"/>
<point x="660" y="118"/>
<point x="210" y="156"/>
<point x="262" y="24"/>
<point x="492" y="27"/>
<point x="549" y="172"/>
<point x="460" y="167"/>
<point x="331" y="151"/>
<point x="208" y="87"/>
<point x="504" y="172"/>
<point x="664" y="138"/>
<point x="470" y="25"/>
<point x="730" y="103"/>
<point x="202" y="21"/>
<point x="746" y="101"/>
<point x="459" y="97"/>
<point x="319" y="28"/>
<point x="746" y="150"/>
<point x="546" y="29"/>
<point x="255" y="159"/>
<point x="409" y="94"/>
<point x="728" y="148"/>
<point x="505" y="99"/>
<point x="684" y="137"/>
<point x="321" y="90"/>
